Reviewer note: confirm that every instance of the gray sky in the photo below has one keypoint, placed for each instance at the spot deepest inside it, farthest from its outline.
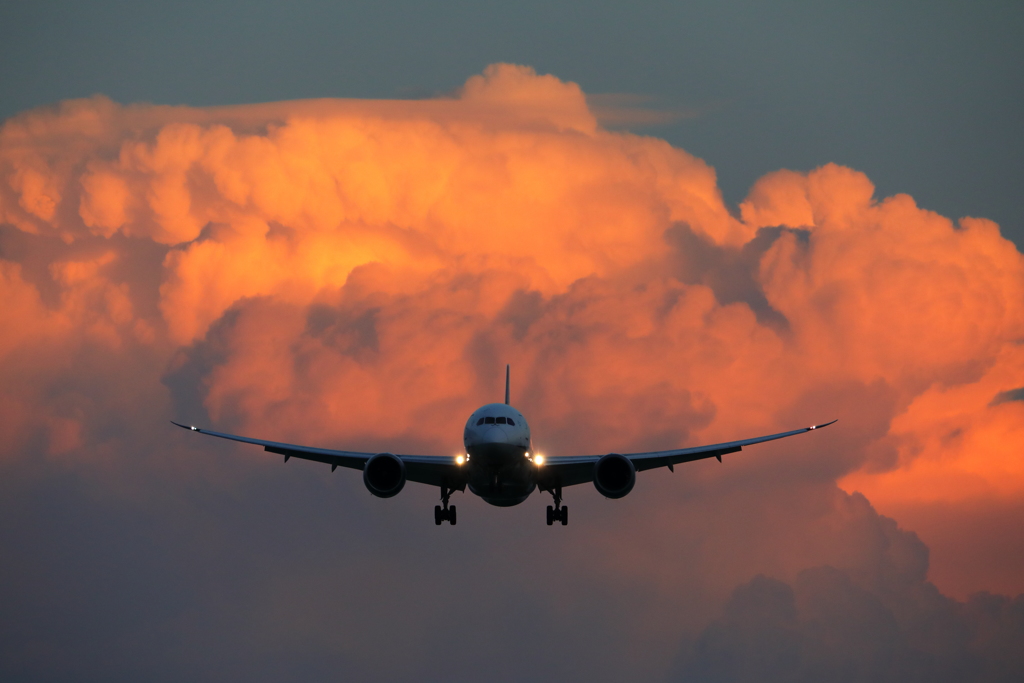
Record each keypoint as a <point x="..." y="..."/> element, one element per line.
<point x="924" y="97"/>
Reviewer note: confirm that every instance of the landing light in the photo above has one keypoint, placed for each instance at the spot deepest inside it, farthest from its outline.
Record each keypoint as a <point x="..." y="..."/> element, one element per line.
<point x="459" y="459"/>
<point x="538" y="460"/>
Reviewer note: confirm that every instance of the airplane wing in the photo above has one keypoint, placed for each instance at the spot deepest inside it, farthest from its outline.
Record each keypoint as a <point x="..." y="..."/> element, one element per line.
<point x="424" y="469"/>
<point x="579" y="469"/>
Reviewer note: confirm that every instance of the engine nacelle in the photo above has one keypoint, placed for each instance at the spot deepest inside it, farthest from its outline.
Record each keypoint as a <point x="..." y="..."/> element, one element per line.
<point x="384" y="475"/>
<point x="614" y="475"/>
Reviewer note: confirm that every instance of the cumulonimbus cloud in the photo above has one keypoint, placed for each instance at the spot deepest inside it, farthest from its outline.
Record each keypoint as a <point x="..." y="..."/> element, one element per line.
<point x="354" y="272"/>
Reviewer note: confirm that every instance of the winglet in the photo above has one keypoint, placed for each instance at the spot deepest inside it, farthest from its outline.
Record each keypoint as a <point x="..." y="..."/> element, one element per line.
<point x="824" y="425"/>
<point x="194" y="429"/>
<point x="506" y="385"/>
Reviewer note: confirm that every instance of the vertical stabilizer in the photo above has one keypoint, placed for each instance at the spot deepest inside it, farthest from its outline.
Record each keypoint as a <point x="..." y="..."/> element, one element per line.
<point x="506" y="384"/>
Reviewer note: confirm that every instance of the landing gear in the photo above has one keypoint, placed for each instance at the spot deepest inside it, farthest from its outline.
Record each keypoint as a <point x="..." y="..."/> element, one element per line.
<point x="445" y="514"/>
<point x="558" y="513"/>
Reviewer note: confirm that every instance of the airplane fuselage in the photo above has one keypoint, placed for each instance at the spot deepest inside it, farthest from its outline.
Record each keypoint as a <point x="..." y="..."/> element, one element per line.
<point x="500" y="464"/>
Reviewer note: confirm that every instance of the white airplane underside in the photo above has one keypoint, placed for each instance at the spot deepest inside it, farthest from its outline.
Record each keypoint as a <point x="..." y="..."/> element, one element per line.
<point x="499" y="464"/>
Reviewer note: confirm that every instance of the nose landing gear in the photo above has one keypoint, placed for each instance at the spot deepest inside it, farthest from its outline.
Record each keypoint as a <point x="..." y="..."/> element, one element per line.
<point x="445" y="514"/>
<point x="558" y="513"/>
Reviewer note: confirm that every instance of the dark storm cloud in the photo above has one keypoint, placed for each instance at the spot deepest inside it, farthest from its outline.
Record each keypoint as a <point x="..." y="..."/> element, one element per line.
<point x="285" y="572"/>
<point x="825" y="627"/>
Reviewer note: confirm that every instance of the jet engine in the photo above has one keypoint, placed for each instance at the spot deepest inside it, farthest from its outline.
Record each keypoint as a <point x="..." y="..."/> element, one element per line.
<point x="614" y="475"/>
<point x="384" y="475"/>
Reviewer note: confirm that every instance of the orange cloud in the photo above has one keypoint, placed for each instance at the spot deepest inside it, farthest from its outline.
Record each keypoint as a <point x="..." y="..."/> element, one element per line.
<point x="352" y="272"/>
<point x="956" y="443"/>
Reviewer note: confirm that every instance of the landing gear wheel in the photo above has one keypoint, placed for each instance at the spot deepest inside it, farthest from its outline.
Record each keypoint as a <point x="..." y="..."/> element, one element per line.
<point x="445" y="513"/>
<point x="558" y="513"/>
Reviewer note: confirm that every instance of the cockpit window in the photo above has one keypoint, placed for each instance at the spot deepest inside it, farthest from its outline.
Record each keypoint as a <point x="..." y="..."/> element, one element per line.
<point x="480" y="421"/>
<point x="489" y="420"/>
<point x="511" y="422"/>
<point x="500" y="420"/>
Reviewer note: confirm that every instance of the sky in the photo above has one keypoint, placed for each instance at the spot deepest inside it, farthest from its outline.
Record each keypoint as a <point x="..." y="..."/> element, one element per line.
<point x="334" y="226"/>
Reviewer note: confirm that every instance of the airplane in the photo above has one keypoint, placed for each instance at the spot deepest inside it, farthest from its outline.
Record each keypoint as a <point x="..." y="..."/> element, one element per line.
<point x="500" y="464"/>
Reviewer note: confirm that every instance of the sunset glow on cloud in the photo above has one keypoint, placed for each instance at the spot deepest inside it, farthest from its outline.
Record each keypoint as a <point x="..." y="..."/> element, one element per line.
<point x="344" y="272"/>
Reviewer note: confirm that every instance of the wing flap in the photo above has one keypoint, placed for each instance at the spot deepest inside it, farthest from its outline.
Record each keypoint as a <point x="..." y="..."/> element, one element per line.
<point x="652" y="462"/>
<point x="330" y="459"/>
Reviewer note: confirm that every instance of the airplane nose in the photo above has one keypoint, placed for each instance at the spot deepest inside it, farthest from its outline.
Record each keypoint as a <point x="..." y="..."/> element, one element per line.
<point x="495" y="435"/>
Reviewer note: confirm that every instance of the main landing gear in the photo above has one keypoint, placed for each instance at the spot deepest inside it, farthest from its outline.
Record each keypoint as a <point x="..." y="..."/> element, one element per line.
<point x="558" y="513"/>
<point x="445" y="514"/>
